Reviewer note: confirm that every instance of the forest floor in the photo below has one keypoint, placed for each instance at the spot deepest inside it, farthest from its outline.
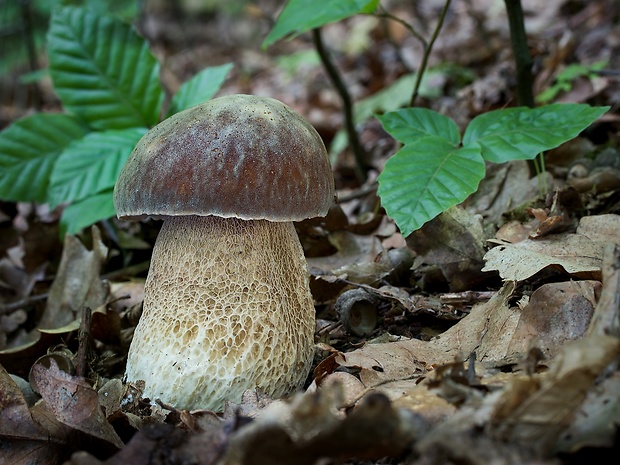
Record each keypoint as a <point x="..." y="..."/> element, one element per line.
<point x="490" y="335"/>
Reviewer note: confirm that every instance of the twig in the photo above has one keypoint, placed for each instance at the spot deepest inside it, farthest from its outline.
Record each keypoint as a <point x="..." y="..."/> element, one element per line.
<point x="83" y="342"/>
<point x="426" y="46"/>
<point x="361" y="168"/>
<point x="387" y="15"/>
<point x="427" y="51"/>
<point x="397" y="48"/>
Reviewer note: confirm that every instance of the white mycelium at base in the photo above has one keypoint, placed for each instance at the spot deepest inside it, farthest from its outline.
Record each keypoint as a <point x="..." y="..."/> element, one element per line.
<point x="227" y="308"/>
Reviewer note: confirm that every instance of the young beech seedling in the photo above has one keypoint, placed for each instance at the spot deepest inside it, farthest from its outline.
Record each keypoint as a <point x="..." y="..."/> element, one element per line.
<point x="227" y="304"/>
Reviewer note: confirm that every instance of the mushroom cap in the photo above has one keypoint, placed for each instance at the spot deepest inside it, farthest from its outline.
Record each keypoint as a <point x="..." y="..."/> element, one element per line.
<point x="236" y="156"/>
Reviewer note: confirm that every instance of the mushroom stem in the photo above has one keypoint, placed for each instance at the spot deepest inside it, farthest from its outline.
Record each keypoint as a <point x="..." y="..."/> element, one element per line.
<point x="227" y="308"/>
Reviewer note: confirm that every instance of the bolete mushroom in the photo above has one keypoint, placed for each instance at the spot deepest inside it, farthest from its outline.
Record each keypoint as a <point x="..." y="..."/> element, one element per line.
<point x="227" y="304"/>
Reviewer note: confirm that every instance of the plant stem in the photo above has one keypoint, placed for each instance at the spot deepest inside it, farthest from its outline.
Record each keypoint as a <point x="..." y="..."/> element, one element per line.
<point x="361" y="164"/>
<point x="28" y="34"/>
<point x="523" y="64"/>
<point x="523" y="59"/>
<point x="427" y="51"/>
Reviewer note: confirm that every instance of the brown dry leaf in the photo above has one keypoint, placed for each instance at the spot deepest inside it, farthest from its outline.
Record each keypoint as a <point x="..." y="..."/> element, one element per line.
<point x="515" y="231"/>
<point x="576" y="254"/>
<point x="16" y="280"/>
<point x="383" y="362"/>
<point x="355" y="259"/>
<point x="487" y="330"/>
<point x="455" y="242"/>
<point x="352" y="387"/>
<point x="506" y="186"/>
<point x="78" y="283"/>
<point x="74" y="402"/>
<point x="595" y="424"/>
<point x="114" y="396"/>
<point x="163" y="443"/>
<point x="425" y="402"/>
<point x="126" y="294"/>
<point x="539" y="418"/>
<point x="601" y="228"/>
<point x="523" y="421"/>
<point x="300" y="432"/>
<point x="526" y="419"/>
<point x="495" y="331"/>
<point x="311" y="427"/>
<point x="24" y="439"/>
<point x="556" y="313"/>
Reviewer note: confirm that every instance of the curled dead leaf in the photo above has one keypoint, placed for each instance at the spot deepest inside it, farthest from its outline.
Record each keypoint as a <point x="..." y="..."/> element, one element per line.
<point x="74" y="403"/>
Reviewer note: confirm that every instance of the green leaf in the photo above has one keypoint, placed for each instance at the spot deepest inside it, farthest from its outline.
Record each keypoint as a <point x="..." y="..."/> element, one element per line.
<point x="299" y="16"/>
<point x="199" y="88"/>
<point x="82" y="214"/>
<point x="92" y="164"/>
<point x="424" y="179"/>
<point x="102" y="70"/>
<point x="522" y="133"/>
<point x="411" y="124"/>
<point x="28" y="150"/>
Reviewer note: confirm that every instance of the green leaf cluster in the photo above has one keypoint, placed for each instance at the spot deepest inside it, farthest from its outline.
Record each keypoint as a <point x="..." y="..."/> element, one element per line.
<point x="108" y="83"/>
<point x="436" y="169"/>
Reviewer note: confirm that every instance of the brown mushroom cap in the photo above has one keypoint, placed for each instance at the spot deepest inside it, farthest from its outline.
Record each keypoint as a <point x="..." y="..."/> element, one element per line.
<point x="235" y="156"/>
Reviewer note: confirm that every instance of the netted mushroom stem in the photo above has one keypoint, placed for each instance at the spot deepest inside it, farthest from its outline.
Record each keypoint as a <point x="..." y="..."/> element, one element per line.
<point x="227" y="308"/>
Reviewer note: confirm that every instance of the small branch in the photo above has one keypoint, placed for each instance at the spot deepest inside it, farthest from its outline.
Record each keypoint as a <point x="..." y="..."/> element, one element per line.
<point x="393" y="43"/>
<point x="361" y="168"/>
<point x="427" y="51"/>
<point x="83" y="342"/>
<point x="385" y="14"/>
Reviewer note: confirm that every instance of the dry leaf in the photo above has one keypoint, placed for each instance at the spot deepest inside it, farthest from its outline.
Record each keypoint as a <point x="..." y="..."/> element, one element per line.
<point x="355" y="259"/>
<point x="595" y="424"/>
<point x="556" y="313"/>
<point x="310" y="427"/>
<point x="77" y="283"/>
<point x="576" y="254"/>
<point x="455" y="242"/>
<point x="601" y="228"/>
<point x="27" y="437"/>
<point x="505" y="187"/>
<point x="74" y="402"/>
<point x="384" y="362"/>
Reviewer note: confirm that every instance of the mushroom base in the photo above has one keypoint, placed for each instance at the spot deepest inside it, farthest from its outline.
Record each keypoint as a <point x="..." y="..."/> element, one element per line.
<point x="227" y="308"/>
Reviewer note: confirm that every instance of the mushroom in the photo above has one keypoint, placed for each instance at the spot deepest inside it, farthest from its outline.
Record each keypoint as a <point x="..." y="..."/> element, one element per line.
<point x="227" y="304"/>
